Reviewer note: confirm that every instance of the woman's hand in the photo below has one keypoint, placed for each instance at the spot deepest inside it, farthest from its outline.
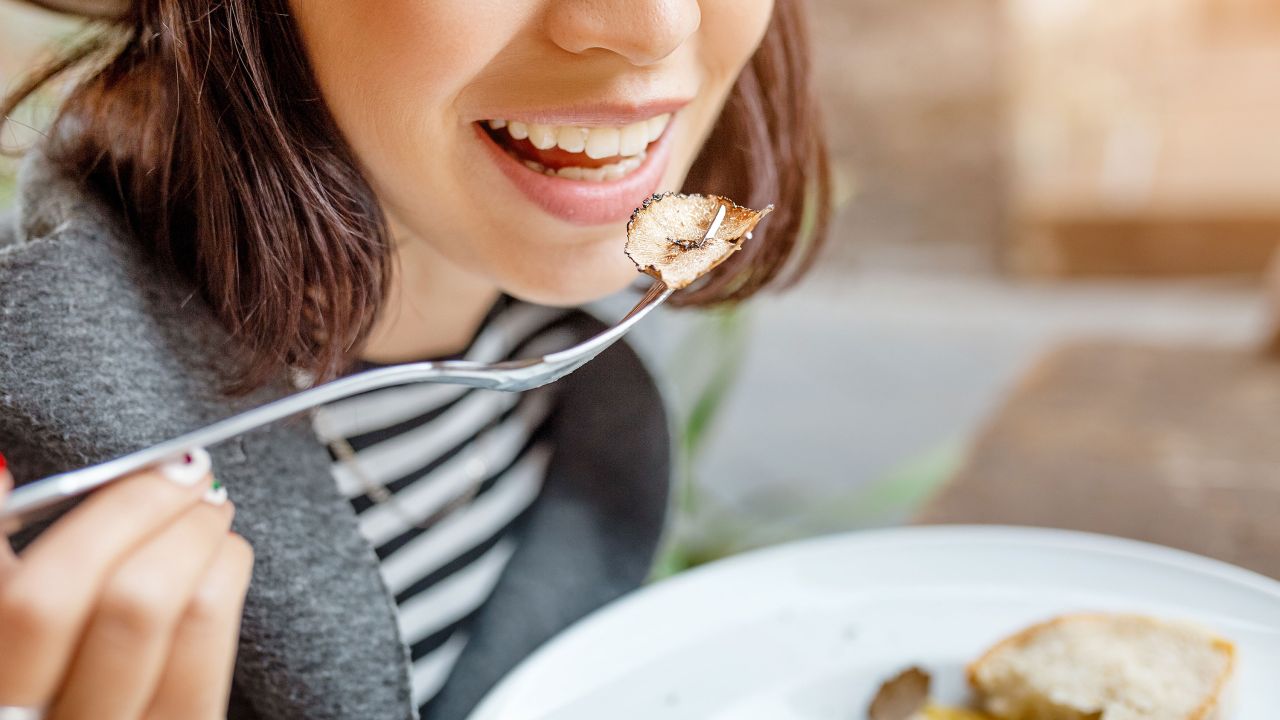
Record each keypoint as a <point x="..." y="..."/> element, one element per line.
<point x="129" y="606"/>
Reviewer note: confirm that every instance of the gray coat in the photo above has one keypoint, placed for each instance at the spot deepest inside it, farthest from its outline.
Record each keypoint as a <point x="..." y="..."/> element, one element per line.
<point x="101" y="354"/>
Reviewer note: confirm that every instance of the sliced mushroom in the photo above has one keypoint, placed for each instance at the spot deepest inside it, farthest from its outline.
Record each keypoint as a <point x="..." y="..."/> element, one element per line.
<point x="902" y="697"/>
<point x="666" y="237"/>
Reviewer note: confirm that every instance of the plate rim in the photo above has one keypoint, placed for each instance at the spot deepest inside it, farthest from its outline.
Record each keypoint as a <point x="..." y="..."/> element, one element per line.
<point x="929" y="535"/>
<point x="952" y="535"/>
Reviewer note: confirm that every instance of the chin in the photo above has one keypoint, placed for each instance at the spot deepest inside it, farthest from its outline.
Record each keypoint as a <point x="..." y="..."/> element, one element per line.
<point x="571" y="283"/>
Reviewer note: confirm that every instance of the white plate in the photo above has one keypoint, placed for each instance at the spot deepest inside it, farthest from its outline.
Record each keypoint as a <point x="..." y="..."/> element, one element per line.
<point x="808" y="631"/>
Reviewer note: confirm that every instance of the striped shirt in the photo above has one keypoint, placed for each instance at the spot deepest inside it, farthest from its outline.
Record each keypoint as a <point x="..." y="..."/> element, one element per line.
<point x="454" y="468"/>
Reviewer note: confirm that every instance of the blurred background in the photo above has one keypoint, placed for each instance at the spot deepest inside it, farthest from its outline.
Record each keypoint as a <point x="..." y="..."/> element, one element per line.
<point x="1044" y="299"/>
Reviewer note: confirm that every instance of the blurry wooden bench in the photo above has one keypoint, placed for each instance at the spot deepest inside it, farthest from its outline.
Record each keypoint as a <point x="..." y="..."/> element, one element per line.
<point x="1173" y="445"/>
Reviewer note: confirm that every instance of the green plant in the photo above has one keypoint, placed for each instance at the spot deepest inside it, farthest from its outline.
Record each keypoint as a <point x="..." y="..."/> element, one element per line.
<point x="703" y="370"/>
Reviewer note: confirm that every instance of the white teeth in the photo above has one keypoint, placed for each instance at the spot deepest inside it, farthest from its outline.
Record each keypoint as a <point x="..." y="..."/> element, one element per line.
<point x="572" y="139"/>
<point x="602" y="142"/>
<point x="632" y="163"/>
<point x="612" y="171"/>
<point x="633" y="139"/>
<point x="656" y="126"/>
<point x="543" y="137"/>
<point x="596" y="142"/>
<point x="628" y="143"/>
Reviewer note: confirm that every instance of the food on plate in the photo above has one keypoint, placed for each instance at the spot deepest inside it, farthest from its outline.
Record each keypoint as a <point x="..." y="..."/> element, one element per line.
<point x="906" y="697"/>
<point x="1082" y="667"/>
<point x="665" y="236"/>
<point x="1108" y="667"/>
<point x="939" y="712"/>
<point x="902" y="697"/>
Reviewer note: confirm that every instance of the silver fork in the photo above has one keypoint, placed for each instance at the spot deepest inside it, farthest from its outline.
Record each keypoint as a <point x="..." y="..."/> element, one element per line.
<point x="38" y="499"/>
<point x="43" y="497"/>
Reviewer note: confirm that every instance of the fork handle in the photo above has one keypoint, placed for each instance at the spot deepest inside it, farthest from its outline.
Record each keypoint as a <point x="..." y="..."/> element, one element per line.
<point x="40" y="498"/>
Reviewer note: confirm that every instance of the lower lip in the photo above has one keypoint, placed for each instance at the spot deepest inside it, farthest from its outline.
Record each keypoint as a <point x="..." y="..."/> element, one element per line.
<point x="584" y="202"/>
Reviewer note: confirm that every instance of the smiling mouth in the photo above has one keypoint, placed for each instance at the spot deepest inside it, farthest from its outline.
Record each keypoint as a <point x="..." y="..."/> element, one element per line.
<point x="592" y="154"/>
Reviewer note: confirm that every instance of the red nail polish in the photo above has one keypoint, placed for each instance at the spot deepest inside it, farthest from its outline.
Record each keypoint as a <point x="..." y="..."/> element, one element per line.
<point x="3" y="463"/>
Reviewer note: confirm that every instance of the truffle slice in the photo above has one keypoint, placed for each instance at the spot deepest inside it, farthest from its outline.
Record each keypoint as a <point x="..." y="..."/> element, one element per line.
<point x="665" y="237"/>
<point x="901" y="697"/>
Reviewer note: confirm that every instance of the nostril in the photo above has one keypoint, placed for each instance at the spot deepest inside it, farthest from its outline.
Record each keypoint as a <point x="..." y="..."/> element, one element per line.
<point x="641" y="31"/>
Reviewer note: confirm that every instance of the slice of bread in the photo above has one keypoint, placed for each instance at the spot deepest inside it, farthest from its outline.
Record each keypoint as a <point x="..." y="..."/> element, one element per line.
<point x="1105" y="667"/>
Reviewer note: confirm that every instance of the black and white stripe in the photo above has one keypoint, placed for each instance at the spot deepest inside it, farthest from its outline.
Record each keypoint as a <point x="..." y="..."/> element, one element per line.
<point x="474" y="460"/>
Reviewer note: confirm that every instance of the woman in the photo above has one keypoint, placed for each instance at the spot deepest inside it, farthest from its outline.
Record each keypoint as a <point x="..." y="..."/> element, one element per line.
<point x="241" y="197"/>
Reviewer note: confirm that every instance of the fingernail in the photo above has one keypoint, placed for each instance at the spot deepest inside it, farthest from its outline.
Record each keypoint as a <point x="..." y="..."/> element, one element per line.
<point x="189" y="468"/>
<point x="3" y="463"/>
<point x="216" y="494"/>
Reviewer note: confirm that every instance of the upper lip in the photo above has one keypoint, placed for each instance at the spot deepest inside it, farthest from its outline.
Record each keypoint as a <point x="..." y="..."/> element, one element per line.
<point x="592" y="114"/>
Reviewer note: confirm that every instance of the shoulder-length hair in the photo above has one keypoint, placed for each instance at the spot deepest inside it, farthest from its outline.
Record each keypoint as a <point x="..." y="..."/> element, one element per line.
<point x="199" y="119"/>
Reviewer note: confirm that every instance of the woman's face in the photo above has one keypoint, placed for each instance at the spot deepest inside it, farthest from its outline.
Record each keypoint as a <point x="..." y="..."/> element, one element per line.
<point x="515" y="137"/>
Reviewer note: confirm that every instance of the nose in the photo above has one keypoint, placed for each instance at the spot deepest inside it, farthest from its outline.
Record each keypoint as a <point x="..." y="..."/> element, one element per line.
<point x="641" y="31"/>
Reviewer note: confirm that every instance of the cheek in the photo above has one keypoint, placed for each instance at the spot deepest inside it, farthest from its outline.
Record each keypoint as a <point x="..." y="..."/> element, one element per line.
<point x="399" y="47"/>
<point x="391" y="73"/>
<point x="390" y="70"/>
<point x="731" y="31"/>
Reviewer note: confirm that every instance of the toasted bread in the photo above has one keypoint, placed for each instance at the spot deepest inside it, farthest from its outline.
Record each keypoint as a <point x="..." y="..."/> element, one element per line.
<point x="1106" y="667"/>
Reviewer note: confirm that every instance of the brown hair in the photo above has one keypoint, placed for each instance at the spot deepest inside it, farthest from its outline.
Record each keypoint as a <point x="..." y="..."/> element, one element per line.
<point x="204" y="124"/>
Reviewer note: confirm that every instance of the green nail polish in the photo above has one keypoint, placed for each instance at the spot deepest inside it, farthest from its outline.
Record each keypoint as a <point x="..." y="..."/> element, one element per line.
<point x="217" y="484"/>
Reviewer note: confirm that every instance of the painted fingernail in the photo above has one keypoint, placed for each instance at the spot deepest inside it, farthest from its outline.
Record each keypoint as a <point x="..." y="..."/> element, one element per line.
<point x="189" y="468"/>
<point x="3" y="463"/>
<point x="216" y="494"/>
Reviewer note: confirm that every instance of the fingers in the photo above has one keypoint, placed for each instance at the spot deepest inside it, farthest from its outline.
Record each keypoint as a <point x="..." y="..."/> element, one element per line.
<point x="123" y="514"/>
<point x="122" y="652"/>
<point x="197" y="677"/>
<point x="47" y="595"/>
